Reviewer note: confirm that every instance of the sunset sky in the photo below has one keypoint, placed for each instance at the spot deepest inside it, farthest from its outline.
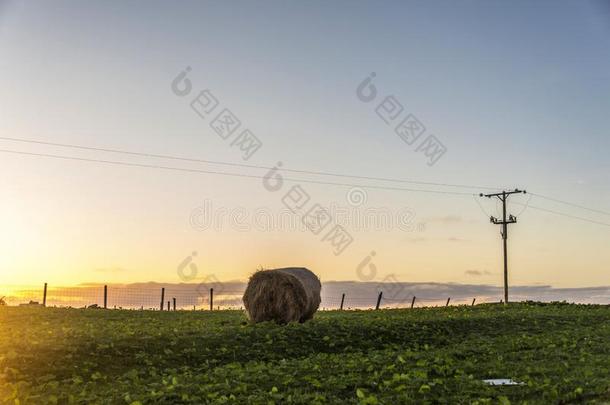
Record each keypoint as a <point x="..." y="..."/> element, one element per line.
<point x="518" y="92"/>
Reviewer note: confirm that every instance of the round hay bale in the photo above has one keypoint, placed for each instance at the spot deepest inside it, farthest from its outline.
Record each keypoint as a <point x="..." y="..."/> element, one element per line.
<point x="282" y="295"/>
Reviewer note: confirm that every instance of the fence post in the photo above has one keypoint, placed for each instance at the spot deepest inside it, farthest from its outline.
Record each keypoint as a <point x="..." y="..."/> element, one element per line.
<point x="211" y="299"/>
<point x="168" y="306"/>
<point x="448" y="299"/>
<point x="342" y="301"/>
<point x="379" y="299"/>
<point x="44" y="296"/>
<point x="162" y="298"/>
<point x="413" y="302"/>
<point x="105" y="297"/>
<point x="174" y="299"/>
<point x="473" y="300"/>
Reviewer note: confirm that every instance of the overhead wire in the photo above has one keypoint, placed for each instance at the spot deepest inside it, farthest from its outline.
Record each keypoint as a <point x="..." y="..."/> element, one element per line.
<point x="569" y="215"/>
<point x="243" y="165"/>
<point x="221" y="173"/>
<point x="310" y="172"/>
<point x="570" y="204"/>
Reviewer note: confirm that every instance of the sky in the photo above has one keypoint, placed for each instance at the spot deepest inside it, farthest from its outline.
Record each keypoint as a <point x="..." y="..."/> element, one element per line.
<point x="517" y="93"/>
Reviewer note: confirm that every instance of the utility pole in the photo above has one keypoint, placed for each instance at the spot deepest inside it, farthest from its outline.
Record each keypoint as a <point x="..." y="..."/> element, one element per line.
<point x="503" y="196"/>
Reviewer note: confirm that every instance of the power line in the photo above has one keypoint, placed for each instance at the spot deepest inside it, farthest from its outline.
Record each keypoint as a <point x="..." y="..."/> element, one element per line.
<point x="476" y="199"/>
<point x="569" y="215"/>
<point x="571" y="204"/>
<point x="181" y="169"/>
<point x="526" y="205"/>
<point x="322" y="173"/>
<point x="242" y="165"/>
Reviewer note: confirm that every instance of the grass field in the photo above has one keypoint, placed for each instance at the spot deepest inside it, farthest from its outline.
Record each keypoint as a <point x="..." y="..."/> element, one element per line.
<point x="560" y="352"/>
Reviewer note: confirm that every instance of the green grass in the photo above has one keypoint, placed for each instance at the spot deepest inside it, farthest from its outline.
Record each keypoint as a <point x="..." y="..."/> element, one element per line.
<point x="560" y="352"/>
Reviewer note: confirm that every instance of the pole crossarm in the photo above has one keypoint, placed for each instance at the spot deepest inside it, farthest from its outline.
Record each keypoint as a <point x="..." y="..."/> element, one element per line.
<point x="502" y="196"/>
<point x="511" y="220"/>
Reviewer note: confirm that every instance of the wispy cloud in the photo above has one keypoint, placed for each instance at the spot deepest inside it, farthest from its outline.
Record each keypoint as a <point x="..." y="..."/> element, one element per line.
<point x="478" y="273"/>
<point x="358" y="294"/>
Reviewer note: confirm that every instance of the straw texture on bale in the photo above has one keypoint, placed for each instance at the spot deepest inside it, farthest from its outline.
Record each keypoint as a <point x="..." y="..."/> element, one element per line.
<point x="282" y="295"/>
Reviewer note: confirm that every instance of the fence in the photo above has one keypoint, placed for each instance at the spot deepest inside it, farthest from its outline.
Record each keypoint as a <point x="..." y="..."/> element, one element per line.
<point x="154" y="296"/>
<point x="198" y="297"/>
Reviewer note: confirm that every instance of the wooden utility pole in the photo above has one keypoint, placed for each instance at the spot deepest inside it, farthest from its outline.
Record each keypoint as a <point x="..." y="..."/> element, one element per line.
<point x="503" y="196"/>
<point x="379" y="299"/>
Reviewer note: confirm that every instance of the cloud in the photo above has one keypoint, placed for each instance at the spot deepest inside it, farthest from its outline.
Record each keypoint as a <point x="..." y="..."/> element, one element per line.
<point x="357" y="294"/>
<point x="430" y="292"/>
<point x="477" y="273"/>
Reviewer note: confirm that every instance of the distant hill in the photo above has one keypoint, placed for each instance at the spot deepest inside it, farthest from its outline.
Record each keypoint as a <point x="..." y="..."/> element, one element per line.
<point x="358" y="294"/>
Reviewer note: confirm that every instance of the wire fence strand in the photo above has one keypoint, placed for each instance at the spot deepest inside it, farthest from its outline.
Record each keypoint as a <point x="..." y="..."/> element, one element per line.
<point x="198" y="297"/>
